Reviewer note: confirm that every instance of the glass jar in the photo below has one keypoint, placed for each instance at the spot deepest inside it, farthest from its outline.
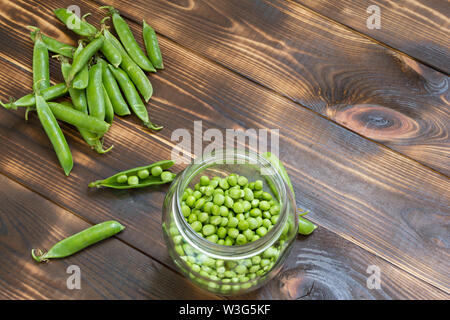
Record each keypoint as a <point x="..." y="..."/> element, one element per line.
<point x="236" y="269"/>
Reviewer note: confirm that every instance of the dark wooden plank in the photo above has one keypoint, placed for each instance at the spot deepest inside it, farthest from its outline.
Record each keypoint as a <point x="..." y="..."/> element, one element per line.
<point x="339" y="270"/>
<point x="356" y="188"/>
<point x="419" y="28"/>
<point x="108" y="270"/>
<point x="362" y="85"/>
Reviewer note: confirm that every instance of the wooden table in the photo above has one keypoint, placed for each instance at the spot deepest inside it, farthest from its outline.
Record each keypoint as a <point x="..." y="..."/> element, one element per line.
<point x="364" y="123"/>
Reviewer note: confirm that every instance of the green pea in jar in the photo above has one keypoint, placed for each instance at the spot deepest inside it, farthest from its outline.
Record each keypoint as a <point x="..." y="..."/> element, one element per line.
<point x="229" y="221"/>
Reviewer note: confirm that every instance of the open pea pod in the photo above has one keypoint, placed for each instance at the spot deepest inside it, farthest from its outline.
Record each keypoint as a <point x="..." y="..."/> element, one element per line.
<point x="151" y="180"/>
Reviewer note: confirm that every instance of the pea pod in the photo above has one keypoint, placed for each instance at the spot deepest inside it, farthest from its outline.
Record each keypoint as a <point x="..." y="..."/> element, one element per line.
<point x="78" y="118"/>
<point x="132" y="96"/>
<point x="80" y="103"/>
<point x="128" y="40"/>
<point x="54" y="134"/>
<point x="74" y="23"/>
<point x="83" y="57"/>
<point x="29" y="100"/>
<point x="152" y="46"/>
<point x="305" y="227"/>
<point x="135" y="73"/>
<point x="151" y="180"/>
<point x="109" y="110"/>
<point x="81" y="79"/>
<point x="41" y="71"/>
<point x="112" y="88"/>
<point x="111" y="53"/>
<point x="53" y="45"/>
<point x="79" y="241"/>
<point x="94" y="91"/>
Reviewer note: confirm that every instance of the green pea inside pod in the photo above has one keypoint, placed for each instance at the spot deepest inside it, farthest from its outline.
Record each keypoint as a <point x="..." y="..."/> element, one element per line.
<point x="139" y="177"/>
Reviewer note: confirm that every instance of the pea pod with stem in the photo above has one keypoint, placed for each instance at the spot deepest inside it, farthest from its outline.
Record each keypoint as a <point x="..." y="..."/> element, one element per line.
<point x="29" y="100"/>
<point x="83" y="58"/>
<point x="135" y="73"/>
<point x="152" y="46"/>
<point x="128" y="40"/>
<point x="109" y="50"/>
<point x="81" y="80"/>
<point x="41" y="71"/>
<point x="52" y="44"/>
<point x="80" y="103"/>
<point x="54" y="134"/>
<point x="75" y="23"/>
<point x="94" y="92"/>
<point x="112" y="88"/>
<point x="118" y="180"/>
<point x="132" y="96"/>
<point x="79" y="241"/>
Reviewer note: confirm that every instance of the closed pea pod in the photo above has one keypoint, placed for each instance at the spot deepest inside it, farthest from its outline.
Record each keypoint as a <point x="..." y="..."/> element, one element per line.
<point x="112" y="88"/>
<point x="135" y="73"/>
<point x="79" y="241"/>
<point x="41" y="71"/>
<point x="74" y="23"/>
<point x="53" y="45"/>
<point x="81" y="79"/>
<point x="119" y="180"/>
<point x="54" y="134"/>
<point x="29" y="100"/>
<point x="132" y="97"/>
<point x="109" y="110"/>
<point x="94" y="92"/>
<point x="128" y="40"/>
<point x="83" y="57"/>
<point x="152" y="46"/>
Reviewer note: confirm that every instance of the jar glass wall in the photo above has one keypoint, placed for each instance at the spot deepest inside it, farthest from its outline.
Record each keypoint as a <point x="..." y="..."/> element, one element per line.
<point x="229" y="269"/>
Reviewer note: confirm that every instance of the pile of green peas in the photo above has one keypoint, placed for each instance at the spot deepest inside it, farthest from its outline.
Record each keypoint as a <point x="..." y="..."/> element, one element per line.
<point x="230" y="210"/>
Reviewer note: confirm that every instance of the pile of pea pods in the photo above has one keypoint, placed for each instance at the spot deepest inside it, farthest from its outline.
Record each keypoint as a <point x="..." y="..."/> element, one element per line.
<point x="104" y="76"/>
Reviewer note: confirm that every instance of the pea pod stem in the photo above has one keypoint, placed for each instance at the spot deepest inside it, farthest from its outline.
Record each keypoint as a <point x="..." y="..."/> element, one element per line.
<point x="79" y="241"/>
<point x="29" y="100"/>
<point x="52" y="44"/>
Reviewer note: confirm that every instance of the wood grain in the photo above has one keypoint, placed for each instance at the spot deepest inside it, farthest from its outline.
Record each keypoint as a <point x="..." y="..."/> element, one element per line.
<point x="358" y="189"/>
<point x="317" y="63"/>
<point x="419" y="28"/>
<point x="29" y="221"/>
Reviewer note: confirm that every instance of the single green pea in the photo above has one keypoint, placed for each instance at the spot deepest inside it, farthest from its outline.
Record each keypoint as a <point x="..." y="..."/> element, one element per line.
<point x="197" y="194"/>
<point x="229" y="203"/>
<point x="195" y="268"/>
<point x="199" y="203"/>
<point x="156" y="171"/>
<point x="166" y="176"/>
<point x="238" y="207"/>
<point x="255" y="203"/>
<point x="259" y="220"/>
<point x="232" y="180"/>
<point x="223" y="211"/>
<point x="196" y="226"/>
<point x="185" y="210"/>
<point x="240" y="216"/>
<point x="219" y="199"/>
<point x="143" y="174"/>
<point x="197" y="186"/>
<point x="204" y="180"/>
<point x="241" y="239"/>
<point x="221" y="242"/>
<point x="215" y="220"/>
<point x="213" y="238"/>
<point x="255" y="212"/>
<point x="248" y="194"/>
<point x="270" y="252"/>
<point x="261" y="231"/>
<point x="215" y="210"/>
<point x="208" y="230"/>
<point x="233" y="233"/>
<point x="266" y="196"/>
<point x="266" y="215"/>
<point x="243" y="225"/>
<point x="235" y="193"/>
<point x="264" y="205"/>
<point x="229" y="241"/>
<point x="247" y="206"/>
<point x="305" y="227"/>
<point x="241" y="269"/>
<point x="242" y="181"/>
<point x="122" y="178"/>
<point x="222" y="232"/>
<point x="133" y="180"/>
<point x="264" y="263"/>
<point x="209" y="190"/>
<point x="252" y="223"/>
<point x="248" y="234"/>
<point x="207" y="207"/>
<point x="255" y="237"/>
<point x="251" y="186"/>
<point x="214" y="183"/>
<point x="202" y="189"/>
<point x="274" y="219"/>
<point x="275" y="209"/>
<point x="253" y="269"/>
<point x="218" y="191"/>
<point x="256" y="260"/>
<point x="224" y="184"/>
<point x="224" y="222"/>
<point x="258" y="194"/>
<point x="192" y="217"/>
<point x="258" y="185"/>
<point x="203" y="217"/>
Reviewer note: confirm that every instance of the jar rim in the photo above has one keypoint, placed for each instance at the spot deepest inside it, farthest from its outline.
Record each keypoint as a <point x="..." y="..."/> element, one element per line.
<point x="235" y="252"/>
